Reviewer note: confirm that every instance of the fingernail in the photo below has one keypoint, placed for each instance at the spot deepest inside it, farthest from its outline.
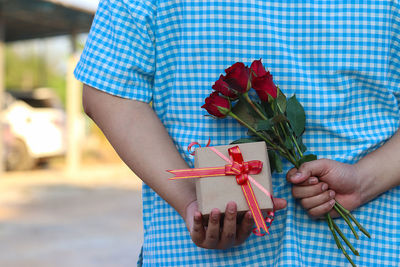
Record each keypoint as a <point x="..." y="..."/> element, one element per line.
<point x="214" y="216"/>
<point x="296" y="176"/>
<point x="313" y="180"/>
<point x="332" y="202"/>
<point x="324" y="187"/>
<point x="231" y="208"/>
<point x="332" y="194"/>
<point x="197" y="216"/>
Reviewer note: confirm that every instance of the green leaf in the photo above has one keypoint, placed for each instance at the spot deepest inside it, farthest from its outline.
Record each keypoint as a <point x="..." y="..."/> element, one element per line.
<point x="270" y="98"/>
<point x="278" y="119"/>
<point x="260" y="107"/>
<point x="307" y="158"/>
<point x="246" y="140"/>
<point x="249" y="108"/>
<point x="267" y="107"/>
<point x="281" y="101"/>
<point x="275" y="161"/>
<point x="288" y="143"/>
<point x="241" y="110"/>
<point x="296" y="115"/>
<point x="264" y="125"/>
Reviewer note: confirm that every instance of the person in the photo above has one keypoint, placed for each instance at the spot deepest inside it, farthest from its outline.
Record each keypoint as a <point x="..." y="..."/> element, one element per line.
<point x="340" y="58"/>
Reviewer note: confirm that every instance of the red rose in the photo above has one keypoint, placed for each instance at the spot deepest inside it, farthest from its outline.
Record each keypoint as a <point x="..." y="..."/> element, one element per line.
<point x="257" y="69"/>
<point x="262" y="81"/>
<point x="238" y="76"/>
<point x="264" y="86"/>
<point x="217" y="105"/>
<point x="225" y="88"/>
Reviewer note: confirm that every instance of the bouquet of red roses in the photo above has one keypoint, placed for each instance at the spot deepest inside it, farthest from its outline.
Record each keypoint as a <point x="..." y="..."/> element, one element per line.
<point x="273" y="118"/>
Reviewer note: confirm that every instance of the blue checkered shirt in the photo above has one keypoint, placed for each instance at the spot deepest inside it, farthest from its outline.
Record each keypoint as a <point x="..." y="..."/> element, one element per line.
<point x="340" y="58"/>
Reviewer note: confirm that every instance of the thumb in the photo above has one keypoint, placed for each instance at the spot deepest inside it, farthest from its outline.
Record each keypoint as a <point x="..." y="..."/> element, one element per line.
<point x="191" y="211"/>
<point x="280" y="203"/>
<point x="315" y="168"/>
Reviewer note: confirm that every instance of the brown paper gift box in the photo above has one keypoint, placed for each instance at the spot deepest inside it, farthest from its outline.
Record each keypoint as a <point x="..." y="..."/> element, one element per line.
<point x="216" y="192"/>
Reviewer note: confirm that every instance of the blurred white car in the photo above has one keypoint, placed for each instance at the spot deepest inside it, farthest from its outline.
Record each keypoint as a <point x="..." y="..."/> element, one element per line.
<point x="9" y="142"/>
<point x="38" y="124"/>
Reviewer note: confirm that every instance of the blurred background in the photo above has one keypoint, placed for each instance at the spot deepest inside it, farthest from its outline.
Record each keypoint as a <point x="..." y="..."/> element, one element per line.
<point x="66" y="199"/>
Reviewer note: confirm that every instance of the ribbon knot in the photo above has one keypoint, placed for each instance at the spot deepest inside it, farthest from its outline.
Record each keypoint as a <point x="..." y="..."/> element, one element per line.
<point x="236" y="168"/>
<point x="242" y="170"/>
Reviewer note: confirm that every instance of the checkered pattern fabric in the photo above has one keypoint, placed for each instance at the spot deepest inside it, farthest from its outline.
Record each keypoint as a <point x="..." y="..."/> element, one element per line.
<point x="340" y="58"/>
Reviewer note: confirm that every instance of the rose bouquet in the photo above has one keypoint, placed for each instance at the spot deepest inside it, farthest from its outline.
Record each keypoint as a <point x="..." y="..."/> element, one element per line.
<point x="273" y="118"/>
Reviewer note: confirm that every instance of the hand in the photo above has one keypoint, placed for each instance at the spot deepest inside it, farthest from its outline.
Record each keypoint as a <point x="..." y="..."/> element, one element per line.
<point x="216" y="237"/>
<point x="318" y="183"/>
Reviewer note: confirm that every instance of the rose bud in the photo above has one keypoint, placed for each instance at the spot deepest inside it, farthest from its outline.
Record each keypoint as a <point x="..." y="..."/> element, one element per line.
<point x="217" y="105"/>
<point x="238" y="76"/>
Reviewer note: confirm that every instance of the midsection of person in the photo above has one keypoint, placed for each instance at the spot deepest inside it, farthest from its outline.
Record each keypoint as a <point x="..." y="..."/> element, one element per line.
<point x="338" y="57"/>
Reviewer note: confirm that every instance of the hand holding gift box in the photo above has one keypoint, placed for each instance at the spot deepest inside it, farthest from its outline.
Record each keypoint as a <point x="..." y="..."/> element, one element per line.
<point x="237" y="173"/>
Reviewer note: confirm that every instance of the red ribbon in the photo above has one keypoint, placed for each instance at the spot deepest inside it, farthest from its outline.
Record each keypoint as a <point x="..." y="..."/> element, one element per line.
<point x="241" y="170"/>
<point x="196" y="144"/>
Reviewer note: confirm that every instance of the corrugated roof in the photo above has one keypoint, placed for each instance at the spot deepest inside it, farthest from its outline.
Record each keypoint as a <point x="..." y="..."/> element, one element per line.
<point x="29" y="19"/>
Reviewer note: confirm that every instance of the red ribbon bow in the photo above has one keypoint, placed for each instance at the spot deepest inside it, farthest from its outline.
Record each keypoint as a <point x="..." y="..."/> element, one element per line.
<point x="240" y="169"/>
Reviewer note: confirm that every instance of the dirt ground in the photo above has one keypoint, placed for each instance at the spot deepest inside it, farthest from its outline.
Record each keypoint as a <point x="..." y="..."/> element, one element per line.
<point x="50" y="218"/>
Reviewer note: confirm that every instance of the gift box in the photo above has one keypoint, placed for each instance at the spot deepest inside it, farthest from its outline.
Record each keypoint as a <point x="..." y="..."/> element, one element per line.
<point x="216" y="191"/>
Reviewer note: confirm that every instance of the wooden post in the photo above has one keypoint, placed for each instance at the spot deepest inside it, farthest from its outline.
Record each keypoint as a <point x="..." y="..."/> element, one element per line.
<point x="74" y="125"/>
<point x="2" y="89"/>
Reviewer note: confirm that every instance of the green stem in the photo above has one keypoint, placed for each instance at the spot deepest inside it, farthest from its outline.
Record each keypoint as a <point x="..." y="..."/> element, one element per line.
<point x="273" y="146"/>
<point x="288" y="135"/>
<point x="344" y="216"/>
<point x="348" y="213"/>
<point x="345" y="239"/>
<point x="293" y="157"/>
<point x="246" y="96"/>
<point x="329" y="220"/>
<point x="338" y="244"/>
<point x="296" y="144"/>
<point x="233" y="115"/>
<point x="290" y="154"/>
<point x="291" y="135"/>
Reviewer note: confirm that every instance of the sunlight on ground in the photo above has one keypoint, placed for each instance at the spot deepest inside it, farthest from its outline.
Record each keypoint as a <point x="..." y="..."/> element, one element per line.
<point x="50" y="218"/>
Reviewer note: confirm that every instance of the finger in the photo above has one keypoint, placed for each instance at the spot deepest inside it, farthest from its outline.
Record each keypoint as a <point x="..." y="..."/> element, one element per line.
<point x="316" y="168"/>
<point x="197" y="232"/>
<point x="309" y="181"/>
<point x="212" y="232"/>
<point x="280" y="203"/>
<point x="315" y="201"/>
<point x="228" y="235"/>
<point x="290" y="173"/>
<point x="322" y="209"/>
<point x="308" y="191"/>
<point x="245" y="228"/>
<point x="297" y="177"/>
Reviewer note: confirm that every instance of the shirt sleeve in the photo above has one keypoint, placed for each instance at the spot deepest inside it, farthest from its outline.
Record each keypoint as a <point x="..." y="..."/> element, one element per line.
<point x="119" y="54"/>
